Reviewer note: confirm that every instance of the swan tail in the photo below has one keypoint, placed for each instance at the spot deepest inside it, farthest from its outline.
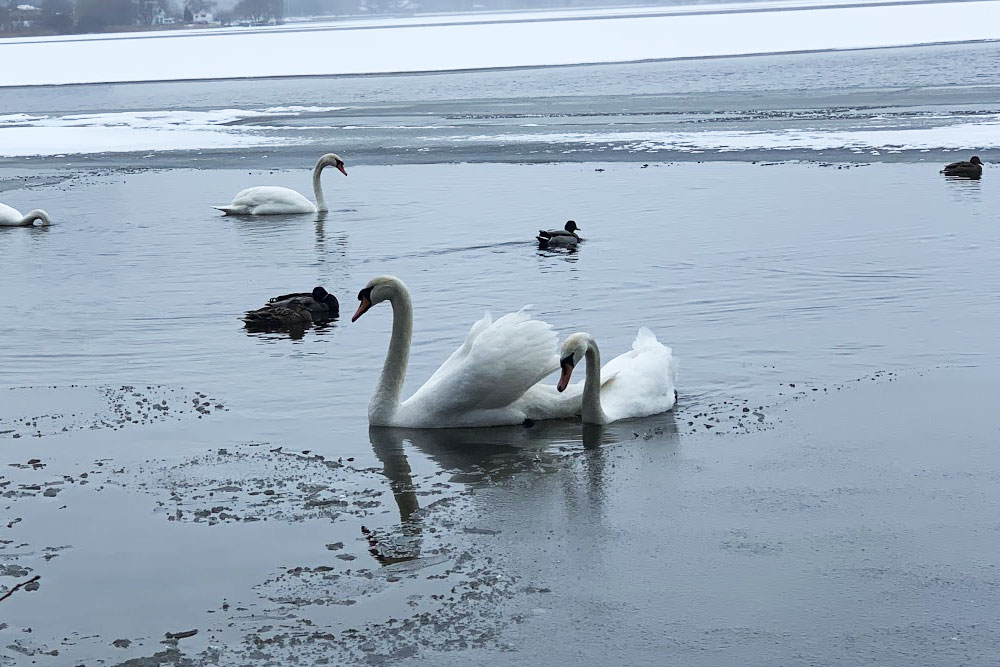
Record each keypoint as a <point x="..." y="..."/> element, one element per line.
<point x="655" y="352"/>
<point x="228" y="210"/>
<point x="644" y="338"/>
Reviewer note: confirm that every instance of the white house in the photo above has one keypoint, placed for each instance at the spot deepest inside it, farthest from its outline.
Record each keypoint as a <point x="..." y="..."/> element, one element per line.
<point x="160" y="17"/>
<point x="204" y="16"/>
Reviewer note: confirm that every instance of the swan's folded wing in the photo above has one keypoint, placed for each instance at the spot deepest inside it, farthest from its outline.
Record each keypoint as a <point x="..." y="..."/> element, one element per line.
<point x="459" y="355"/>
<point x="503" y="361"/>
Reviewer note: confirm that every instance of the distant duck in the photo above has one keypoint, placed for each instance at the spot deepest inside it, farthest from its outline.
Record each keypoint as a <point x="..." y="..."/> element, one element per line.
<point x="11" y="217"/>
<point x="565" y="237"/>
<point x="275" y="200"/>
<point x="294" y="310"/>
<point x="971" y="169"/>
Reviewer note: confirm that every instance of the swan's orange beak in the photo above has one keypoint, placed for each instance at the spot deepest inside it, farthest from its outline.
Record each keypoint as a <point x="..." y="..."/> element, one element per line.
<point x="341" y="168"/>
<point x="567" y="371"/>
<point x="362" y="307"/>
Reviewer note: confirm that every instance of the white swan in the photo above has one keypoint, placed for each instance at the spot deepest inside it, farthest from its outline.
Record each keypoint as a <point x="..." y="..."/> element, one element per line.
<point x="276" y="200"/>
<point x="11" y="217"/>
<point x="485" y="382"/>
<point x="638" y="383"/>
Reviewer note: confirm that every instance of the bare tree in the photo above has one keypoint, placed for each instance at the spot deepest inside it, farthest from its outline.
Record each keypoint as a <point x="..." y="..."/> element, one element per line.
<point x="260" y="11"/>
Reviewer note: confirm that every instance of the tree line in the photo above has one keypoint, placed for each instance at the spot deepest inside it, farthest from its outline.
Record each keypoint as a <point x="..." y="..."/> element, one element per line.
<point x="81" y="16"/>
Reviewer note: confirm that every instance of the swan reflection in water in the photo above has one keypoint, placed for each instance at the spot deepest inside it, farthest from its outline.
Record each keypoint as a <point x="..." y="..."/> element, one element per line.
<point x="490" y="455"/>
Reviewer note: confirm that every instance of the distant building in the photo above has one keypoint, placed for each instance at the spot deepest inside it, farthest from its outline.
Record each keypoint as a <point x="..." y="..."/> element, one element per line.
<point x="160" y="17"/>
<point x="203" y="17"/>
<point x="24" y="16"/>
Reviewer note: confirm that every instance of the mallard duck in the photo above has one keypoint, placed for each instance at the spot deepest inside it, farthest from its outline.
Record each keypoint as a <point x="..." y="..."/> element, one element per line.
<point x="320" y="303"/>
<point x="294" y="310"/>
<point x="971" y="169"/>
<point x="270" y="317"/>
<point x="567" y="236"/>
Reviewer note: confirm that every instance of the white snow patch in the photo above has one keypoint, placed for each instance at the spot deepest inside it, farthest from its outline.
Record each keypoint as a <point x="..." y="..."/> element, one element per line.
<point x="125" y="132"/>
<point x="982" y="134"/>
<point x="399" y="47"/>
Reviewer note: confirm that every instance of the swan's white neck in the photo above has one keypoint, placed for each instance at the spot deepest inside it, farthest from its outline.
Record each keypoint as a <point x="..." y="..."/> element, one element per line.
<point x="37" y="214"/>
<point x="318" y="186"/>
<point x="385" y="400"/>
<point x="591" y="411"/>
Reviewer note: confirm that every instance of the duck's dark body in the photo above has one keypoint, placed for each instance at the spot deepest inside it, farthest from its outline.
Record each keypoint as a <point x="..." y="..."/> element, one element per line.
<point x="294" y="310"/>
<point x="292" y="316"/>
<point x="319" y="302"/>
<point x="971" y="169"/>
<point x="559" y="237"/>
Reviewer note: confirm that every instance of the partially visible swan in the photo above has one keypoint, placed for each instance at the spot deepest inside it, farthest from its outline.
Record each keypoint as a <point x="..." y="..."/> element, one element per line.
<point x="971" y="169"/>
<point x="275" y="200"/>
<point x="483" y="383"/>
<point x="567" y="236"/>
<point x="11" y="217"/>
<point x="638" y="383"/>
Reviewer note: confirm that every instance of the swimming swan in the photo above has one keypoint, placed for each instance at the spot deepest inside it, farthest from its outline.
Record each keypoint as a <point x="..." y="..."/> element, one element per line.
<point x="11" y="217"/>
<point x="638" y="383"/>
<point x="483" y="383"/>
<point x="275" y="200"/>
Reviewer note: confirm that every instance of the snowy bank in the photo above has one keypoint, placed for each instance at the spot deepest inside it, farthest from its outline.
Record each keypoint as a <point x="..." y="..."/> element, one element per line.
<point x="338" y="49"/>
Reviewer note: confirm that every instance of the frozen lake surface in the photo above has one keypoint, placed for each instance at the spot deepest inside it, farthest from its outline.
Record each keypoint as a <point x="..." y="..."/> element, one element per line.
<point x="518" y="41"/>
<point x="900" y="104"/>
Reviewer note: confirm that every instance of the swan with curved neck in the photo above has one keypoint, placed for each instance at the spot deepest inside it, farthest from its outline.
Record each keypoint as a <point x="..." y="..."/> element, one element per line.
<point x="11" y="217"/>
<point x="275" y="200"/>
<point x="483" y="383"/>
<point x="638" y="383"/>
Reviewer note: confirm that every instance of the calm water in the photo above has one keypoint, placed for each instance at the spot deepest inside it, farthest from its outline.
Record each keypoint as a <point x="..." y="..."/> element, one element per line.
<point x="756" y="275"/>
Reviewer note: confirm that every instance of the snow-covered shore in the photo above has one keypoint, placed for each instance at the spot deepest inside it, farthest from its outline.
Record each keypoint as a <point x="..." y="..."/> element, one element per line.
<point x="525" y="40"/>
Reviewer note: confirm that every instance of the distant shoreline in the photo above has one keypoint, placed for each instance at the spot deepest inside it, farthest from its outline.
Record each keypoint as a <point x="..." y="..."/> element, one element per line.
<point x="407" y="47"/>
<point x="349" y="22"/>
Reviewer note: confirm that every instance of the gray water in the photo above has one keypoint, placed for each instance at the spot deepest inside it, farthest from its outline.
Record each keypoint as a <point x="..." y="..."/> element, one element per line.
<point x="755" y="281"/>
<point x="849" y="308"/>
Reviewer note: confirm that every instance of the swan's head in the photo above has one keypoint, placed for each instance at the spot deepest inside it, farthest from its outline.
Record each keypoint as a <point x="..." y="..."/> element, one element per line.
<point x="332" y="160"/>
<point x="572" y="352"/>
<point x="571" y="226"/>
<point x="320" y="295"/>
<point x="975" y="160"/>
<point x="377" y="290"/>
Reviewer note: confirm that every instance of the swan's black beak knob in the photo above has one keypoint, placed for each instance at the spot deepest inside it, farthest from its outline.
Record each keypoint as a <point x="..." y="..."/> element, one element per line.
<point x="567" y="371"/>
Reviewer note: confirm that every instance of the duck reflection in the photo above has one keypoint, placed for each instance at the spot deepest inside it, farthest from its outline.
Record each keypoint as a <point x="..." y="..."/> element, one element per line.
<point x="964" y="189"/>
<point x="489" y="455"/>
